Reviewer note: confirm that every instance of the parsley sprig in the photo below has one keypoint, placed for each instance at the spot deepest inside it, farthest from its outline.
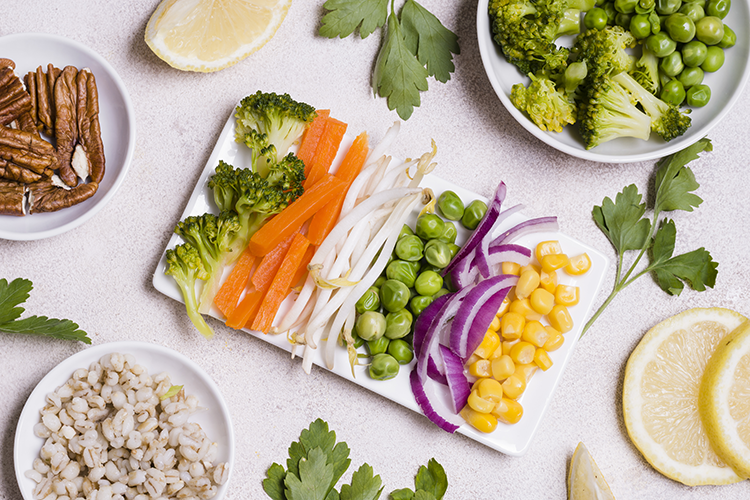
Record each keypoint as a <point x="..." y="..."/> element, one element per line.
<point x="623" y="221"/>
<point x="416" y="46"/>
<point x="316" y="463"/>
<point x="17" y="292"/>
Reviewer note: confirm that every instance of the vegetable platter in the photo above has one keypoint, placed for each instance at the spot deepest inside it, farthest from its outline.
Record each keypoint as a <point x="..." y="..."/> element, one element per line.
<point x="509" y="439"/>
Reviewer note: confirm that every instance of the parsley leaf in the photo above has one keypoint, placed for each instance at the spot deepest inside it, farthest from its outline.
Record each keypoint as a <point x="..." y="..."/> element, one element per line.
<point x="697" y="268"/>
<point x="17" y="292"/>
<point x="365" y="485"/>
<point x="345" y="16"/>
<point x="433" y="43"/>
<point x="621" y="220"/>
<point x="432" y="479"/>
<point x="315" y="476"/>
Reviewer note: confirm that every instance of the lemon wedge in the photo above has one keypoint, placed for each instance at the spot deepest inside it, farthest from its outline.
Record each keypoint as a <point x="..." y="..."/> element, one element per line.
<point x="724" y="401"/>
<point x="660" y="395"/>
<point x="585" y="480"/>
<point x="209" y="35"/>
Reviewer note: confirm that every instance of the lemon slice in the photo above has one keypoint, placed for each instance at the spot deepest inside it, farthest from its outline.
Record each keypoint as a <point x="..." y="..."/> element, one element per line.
<point x="585" y="480"/>
<point x="724" y="402"/>
<point x="209" y="35"/>
<point x="660" y="395"/>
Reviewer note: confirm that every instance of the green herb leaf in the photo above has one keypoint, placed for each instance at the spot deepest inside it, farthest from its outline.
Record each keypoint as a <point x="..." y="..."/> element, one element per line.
<point x="273" y="484"/>
<point x="345" y="16"/>
<point x="424" y="495"/>
<point x="315" y="476"/>
<point x="399" y="76"/>
<point x="402" y="494"/>
<point x="675" y="182"/>
<point x="172" y="391"/>
<point x="433" y="43"/>
<point x="432" y="479"/>
<point x="621" y="220"/>
<point x="696" y="268"/>
<point x="11" y="295"/>
<point x="365" y="485"/>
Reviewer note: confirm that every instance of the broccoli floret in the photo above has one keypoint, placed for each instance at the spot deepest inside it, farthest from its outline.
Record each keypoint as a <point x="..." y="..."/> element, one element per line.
<point x="184" y="264"/>
<point x="666" y="119"/>
<point x="607" y="112"/>
<point x="549" y="108"/>
<point x="269" y="124"/>
<point x="604" y="51"/>
<point x="646" y="71"/>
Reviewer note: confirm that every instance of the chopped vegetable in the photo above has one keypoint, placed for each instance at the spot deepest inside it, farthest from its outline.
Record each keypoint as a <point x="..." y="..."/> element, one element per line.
<point x="184" y="264"/>
<point x="243" y="315"/>
<point x="270" y="264"/>
<point x="310" y="138"/>
<point x="230" y="291"/>
<point x="326" y="150"/>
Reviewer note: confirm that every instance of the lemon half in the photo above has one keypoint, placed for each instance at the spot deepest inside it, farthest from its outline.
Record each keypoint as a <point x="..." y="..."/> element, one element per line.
<point x="209" y="35"/>
<point x="585" y="480"/>
<point x="660" y="395"/>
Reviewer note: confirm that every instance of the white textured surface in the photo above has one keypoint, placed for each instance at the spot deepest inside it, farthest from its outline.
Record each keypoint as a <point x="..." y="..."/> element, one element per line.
<point x="99" y="274"/>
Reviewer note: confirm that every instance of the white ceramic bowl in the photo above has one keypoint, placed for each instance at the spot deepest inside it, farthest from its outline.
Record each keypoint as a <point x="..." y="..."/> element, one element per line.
<point x="116" y="117"/>
<point x="726" y="87"/>
<point x="214" y="420"/>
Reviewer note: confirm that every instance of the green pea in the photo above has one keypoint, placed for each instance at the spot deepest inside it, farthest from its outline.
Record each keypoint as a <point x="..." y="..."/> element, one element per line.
<point x="429" y="226"/>
<point x="673" y="92"/>
<point x="646" y="5"/>
<point x="609" y="9"/>
<point x="440" y="293"/>
<point x="378" y="346"/>
<point x="655" y="21"/>
<point x="702" y="3"/>
<point x="379" y="282"/>
<point x="450" y="205"/>
<point x="625" y="6"/>
<point x="698" y="95"/>
<point x="666" y="7"/>
<point x="664" y="79"/>
<point x="714" y="59"/>
<point x="438" y="253"/>
<point x="680" y="27"/>
<point x="419" y="303"/>
<point x="596" y="19"/>
<point x="690" y="77"/>
<point x="394" y="295"/>
<point x="401" y="351"/>
<point x="709" y="30"/>
<point x="409" y="248"/>
<point x="640" y="26"/>
<point x="672" y="65"/>
<point x="729" y="38"/>
<point x="383" y="367"/>
<point x="358" y="341"/>
<point x="402" y="271"/>
<point x="661" y="44"/>
<point x="693" y="10"/>
<point x="454" y="249"/>
<point x="718" y="8"/>
<point x="398" y="324"/>
<point x="405" y="231"/>
<point x="370" y="325"/>
<point x="369" y="301"/>
<point x="449" y="233"/>
<point x="623" y="20"/>
<point x="474" y="214"/>
<point x="694" y="53"/>
<point x="428" y="283"/>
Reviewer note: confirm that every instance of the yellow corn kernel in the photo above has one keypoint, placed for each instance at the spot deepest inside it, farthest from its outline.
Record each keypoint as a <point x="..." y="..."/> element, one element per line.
<point x="490" y="342"/>
<point x="480" y="368"/>
<point x="554" y="341"/>
<point x="477" y="403"/>
<point x="511" y="325"/>
<point x="508" y="411"/>
<point x="548" y="281"/>
<point x="525" y="372"/>
<point x="497" y="352"/>
<point x="559" y="319"/>
<point x="514" y="386"/>
<point x="523" y="307"/>
<point x="510" y="268"/>
<point x="579" y="264"/>
<point x="567" y="295"/>
<point x="533" y="267"/>
<point x="508" y="345"/>
<point x="472" y="359"/>
<point x="503" y="367"/>
<point x="522" y="353"/>
<point x="542" y="359"/>
<point x="535" y="333"/>
<point x="489" y="389"/>
<point x="528" y="281"/>
<point x="547" y="248"/>
<point x="553" y="262"/>
<point x="541" y="301"/>
<point x="483" y="422"/>
<point x="495" y="325"/>
<point x="503" y="307"/>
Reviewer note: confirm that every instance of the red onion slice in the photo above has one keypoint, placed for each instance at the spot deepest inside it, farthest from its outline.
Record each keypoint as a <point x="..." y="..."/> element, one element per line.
<point x="481" y="259"/>
<point x="464" y="276"/>
<point x="542" y="224"/>
<point x="424" y="320"/>
<point x="421" y="388"/>
<point x="458" y="384"/>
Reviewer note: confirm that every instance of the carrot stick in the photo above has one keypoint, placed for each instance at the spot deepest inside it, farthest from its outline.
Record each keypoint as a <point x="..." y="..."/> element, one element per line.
<point x="325" y="153"/>
<point x="279" y="288"/>
<point x="311" y="138"/>
<point x="245" y="310"/>
<point x="302" y="270"/>
<point x="324" y="220"/>
<point x="269" y="265"/>
<point x="291" y="219"/>
<point x="230" y="291"/>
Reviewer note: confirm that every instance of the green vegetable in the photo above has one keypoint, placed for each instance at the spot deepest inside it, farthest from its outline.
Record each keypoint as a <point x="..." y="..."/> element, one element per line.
<point x="694" y="53"/>
<point x="370" y="325"/>
<point x="646" y="71"/>
<point x="383" y="367"/>
<point x="429" y="226"/>
<point x="450" y="205"/>
<point x="15" y="293"/>
<point x="640" y="26"/>
<point x="402" y="271"/>
<point x="416" y="46"/>
<point x="625" y="6"/>
<point x="378" y="346"/>
<point x="709" y="30"/>
<point x="438" y="253"/>
<point x="431" y="481"/>
<point x="172" y="391"/>
<point x="545" y="105"/>
<point x="672" y="65"/>
<point x="398" y="324"/>
<point x="729" y="38"/>
<point x="405" y="231"/>
<point x="718" y="8"/>
<point x="474" y="214"/>
<point x="673" y="92"/>
<point x="714" y="59"/>
<point x="596" y="18"/>
<point x="690" y="77"/>
<point x="394" y="295"/>
<point x="184" y="264"/>
<point x="693" y="10"/>
<point x="623" y="222"/>
<point x="428" y="283"/>
<point x="666" y="7"/>
<point x="419" y="303"/>
<point x="661" y="44"/>
<point x="369" y="301"/>
<point x="698" y="95"/>
<point x="449" y="233"/>
<point x="409" y="248"/>
<point x="401" y="351"/>
<point x="680" y="27"/>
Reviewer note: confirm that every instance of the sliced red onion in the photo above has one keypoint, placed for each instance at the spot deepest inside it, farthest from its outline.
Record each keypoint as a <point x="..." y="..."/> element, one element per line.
<point x="481" y="259"/>
<point x="420" y="388"/>
<point x="440" y="332"/>
<point x="465" y="276"/>
<point x="435" y="372"/>
<point x="542" y="224"/>
<point x="424" y="320"/>
<point x="458" y="384"/>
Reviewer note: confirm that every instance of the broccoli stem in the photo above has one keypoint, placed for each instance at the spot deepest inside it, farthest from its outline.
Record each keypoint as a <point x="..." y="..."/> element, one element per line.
<point x="191" y="305"/>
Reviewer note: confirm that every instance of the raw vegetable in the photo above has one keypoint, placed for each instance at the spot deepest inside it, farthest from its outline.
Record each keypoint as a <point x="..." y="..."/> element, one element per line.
<point x="243" y="315"/>
<point x="269" y="265"/>
<point x="15" y="293"/>
<point x="325" y="151"/>
<point x="311" y="137"/>
<point x="231" y="290"/>
<point x="184" y="264"/>
<point x="623" y="221"/>
<point x="416" y="46"/>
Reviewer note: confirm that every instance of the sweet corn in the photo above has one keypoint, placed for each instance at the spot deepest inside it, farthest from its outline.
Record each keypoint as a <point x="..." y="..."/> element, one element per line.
<point x="522" y="353"/>
<point x="495" y="325"/>
<point x="513" y="268"/>
<point x="533" y="267"/>
<point x="504" y="306"/>
<point x="480" y="368"/>
<point x="511" y="325"/>
<point x="525" y="372"/>
<point x="508" y="345"/>
<point x="489" y="389"/>
<point x="567" y="295"/>
<point x="490" y="342"/>
<point x="502" y="367"/>
<point x="508" y="411"/>
<point x="559" y="319"/>
<point x="541" y="301"/>
<point x="523" y="307"/>
<point x="579" y="264"/>
<point x="548" y="281"/>
<point x="514" y="386"/>
<point x="483" y="422"/>
<point x="472" y="359"/>
<point x="554" y="341"/>
<point x="497" y="353"/>
<point x="528" y="281"/>
<point x="553" y="262"/>
<point x="477" y="403"/>
<point x="542" y="359"/>
<point x="535" y="333"/>
<point x="547" y="248"/>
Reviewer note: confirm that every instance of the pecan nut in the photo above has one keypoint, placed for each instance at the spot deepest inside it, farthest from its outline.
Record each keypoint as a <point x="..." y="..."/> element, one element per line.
<point x="66" y="126"/>
<point x="12" y="196"/>
<point x="44" y="196"/>
<point x="89" y="130"/>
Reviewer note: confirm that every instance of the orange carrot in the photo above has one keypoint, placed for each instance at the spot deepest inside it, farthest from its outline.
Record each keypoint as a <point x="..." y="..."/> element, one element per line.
<point x="269" y="265"/>
<point x="324" y="220"/>
<point x="325" y="153"/>
<point x="291" y="219"/>
<point x="279" y="288"/>
<point x="245" y="310"/>
<point x="302" y="270"/>
<point x="230" y="291"/>
<point x="310" y="139"/>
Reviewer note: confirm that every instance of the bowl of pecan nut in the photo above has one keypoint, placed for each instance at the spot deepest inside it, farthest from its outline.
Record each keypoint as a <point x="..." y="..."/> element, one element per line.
<point x="67" y="135"/>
